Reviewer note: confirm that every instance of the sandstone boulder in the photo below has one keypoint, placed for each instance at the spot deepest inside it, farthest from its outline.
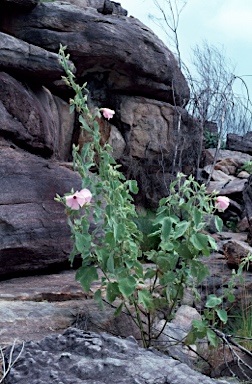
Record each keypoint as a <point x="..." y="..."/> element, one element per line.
<point x="120" y="58"/>
<point x="35" y="119"/>
<point x="235" y="251"/>
<point x="30" y="61"/>
<point x="247" y="197"/>
<point x="239" y="158"/>
<point x="105" y="7"/>
<point x="128" y="54"/>
<point x="240" y="143"/>
<point x="225" y="187"/>
<point x="34" y="232"/>
<point x="20" y="3"/>
<point x="157" y="133"/>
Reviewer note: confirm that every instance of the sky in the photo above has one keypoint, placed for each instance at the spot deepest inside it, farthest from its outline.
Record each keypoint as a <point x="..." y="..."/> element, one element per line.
<point x="226" y="24"/>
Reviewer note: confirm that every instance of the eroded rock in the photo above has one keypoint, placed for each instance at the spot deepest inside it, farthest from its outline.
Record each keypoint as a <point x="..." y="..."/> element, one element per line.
<point x="240" y="143"/>
<point x="235" y="251"/>
<point x="34" y="231"/>
<point x="132" y="58"/>
<point x="239" y="158"/>
<point x="77" y="357"/>
<point x="22" y="59"/>
<point x="157" y="133"/>
<point x="35" y="119"/>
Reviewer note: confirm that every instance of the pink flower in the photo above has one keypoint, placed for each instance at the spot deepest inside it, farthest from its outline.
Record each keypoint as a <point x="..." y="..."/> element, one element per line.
<point x="78" y="199"/>
<point x="107" y="113"/>
<point x="222" y="202"/>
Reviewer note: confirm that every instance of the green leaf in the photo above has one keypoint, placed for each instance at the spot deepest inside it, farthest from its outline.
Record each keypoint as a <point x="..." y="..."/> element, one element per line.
<point x="86" y="276"/>
<point x="166" y="229"/>
<point x="159" y="219"/>
<point x="197" y="217"/>
<point x="98" y="299"/>
<point x="110" y="240"/>
<point x="119" y="231"/>
<point x="103" y="254"/>
<point x="218" y="223"/>
<point x="110" y="263"/>
<point x="173" y="260"/>
<point x="109" y="211"/>
<point x="133" y="186"/>
<point x="168" y="278"/>
<point x="72" y="108"/>
<point x="112" y="291"/>
<point x="180" y="229"/>
<point x="162" y="201"/>
<point x="150" y="273"/>
<point x="213" y="339"/>
<point x="85" y="125"/>
<point x="191" y="337"/>
<point x="213" y="301"/>
<point x="127" y="285"/>
<point x="200" y="328"/>
<point x="199" y="241"/>
<point x="222" y="314"/>
<point x="139" y="269"/>
<point x="184" y="251"/>
<point x="145" y="298"/>
<point x="231" y="297"/>
<point x="72" y="255"/>
<point x="163" y="263"/>
<point x="213" y="243"/>
<point x="81" y="241"/>
<point x="198" y="270"/>
<point x="209" y="314"/>
<point x="119" y="309"/>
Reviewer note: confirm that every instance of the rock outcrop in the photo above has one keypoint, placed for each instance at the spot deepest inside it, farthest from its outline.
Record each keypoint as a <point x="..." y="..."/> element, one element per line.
<point x="127" y="69"/>
<point x="78" y="357"/>
<point x="34" y="307"/>
<point x="240" y="143"/>
<point x="34" y="234"/>
<point x="122" y="50"/>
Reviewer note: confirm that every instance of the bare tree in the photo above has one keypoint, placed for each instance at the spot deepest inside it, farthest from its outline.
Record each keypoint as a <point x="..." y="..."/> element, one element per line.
<point x="211" y="80"/>
<point x="213" y="91"/>
<point x="170" y="11"/>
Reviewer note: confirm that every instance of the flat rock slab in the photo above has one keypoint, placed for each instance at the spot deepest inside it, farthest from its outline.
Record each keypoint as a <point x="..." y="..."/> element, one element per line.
<point x="55" y="287"/>
<point x="80" y="357"/>
<point x="227" y="187"/>
<point x="239" y="157"/>
<point x="37" y="306"/>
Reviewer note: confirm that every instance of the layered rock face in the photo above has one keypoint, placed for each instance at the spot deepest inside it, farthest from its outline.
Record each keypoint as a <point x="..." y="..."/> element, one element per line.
<point x="34" y="234"/>
<point x="128" y="69"/>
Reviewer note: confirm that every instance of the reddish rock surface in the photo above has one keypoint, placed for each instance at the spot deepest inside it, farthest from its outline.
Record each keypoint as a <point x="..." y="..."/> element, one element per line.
<point x="34" y="231"/>
<point x="131" y="57"/>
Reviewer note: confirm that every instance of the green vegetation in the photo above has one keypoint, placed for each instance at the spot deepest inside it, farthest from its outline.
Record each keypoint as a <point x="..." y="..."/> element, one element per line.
<point x="179" y="224"/>
<point x="247" y="167"/>
<point x="145" y="223"/>
<point x="211" y="140"/>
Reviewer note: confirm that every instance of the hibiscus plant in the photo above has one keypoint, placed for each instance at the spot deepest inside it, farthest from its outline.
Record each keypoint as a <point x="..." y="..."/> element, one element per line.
<point x="110" y="249"/>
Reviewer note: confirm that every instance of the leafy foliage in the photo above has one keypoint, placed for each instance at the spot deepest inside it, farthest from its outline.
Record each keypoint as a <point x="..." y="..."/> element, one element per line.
<point x="211" y="140"/>
<point x="144" y="222"/>
<point x="247" y="167"/>
<point x="113" y="245"/>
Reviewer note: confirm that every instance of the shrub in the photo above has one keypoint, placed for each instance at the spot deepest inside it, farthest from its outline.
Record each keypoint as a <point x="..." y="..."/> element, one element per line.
<point x="107" y="196"/>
